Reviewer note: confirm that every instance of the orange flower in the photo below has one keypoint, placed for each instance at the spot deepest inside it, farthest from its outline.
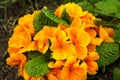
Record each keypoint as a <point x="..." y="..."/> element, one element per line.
<point x="59" y="10"/>
<point x="27" y="22"/>
<point x="54" y="74"/>
<point x="17" y="60"/>
<point x="91" y="62"/>
<point x="77" y="22"/>
<point x="42" y="37"/>
<point x="91" y="48"/>
<point x="73" y="70"/>
<point x="105" y="35"/>
<point x="80" y="39"/>
<point x="57" y="64"/>
<point x="110" y="31"/>
<point x="93" y="39"/>
<point x="28" y="77"/>
<point x="61" y="48"/>
<point x="72" y="9"/>
<point x="31" y="47"/>
<point x="88" y="18"/>
<point x="20" y="39"/>
<point x="41" y="42"/>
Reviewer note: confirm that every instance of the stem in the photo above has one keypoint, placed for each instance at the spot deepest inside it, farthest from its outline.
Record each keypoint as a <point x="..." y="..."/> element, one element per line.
<point x="5" y="12"/>
<point x="36" y="4"/>
<point x="31" y="5"/>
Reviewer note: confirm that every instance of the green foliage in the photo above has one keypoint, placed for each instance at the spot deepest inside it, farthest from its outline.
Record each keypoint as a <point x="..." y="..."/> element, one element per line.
<point x="108" y="52"/>
<point x="47" y="17"/>
<point x="75" y="1"/>
<point x="116" y="74"/>
<point x="107" y="10"/>
<point x="107" y="6"/>
<point x="33" y="54"/>
<point x="38" y="66"/>
<point x="65" y="16"/>
<point x="117" y="35"/>
<point x="53" y="17"/>
<point x="86" y="6"/>
<point x="14" y="1"/>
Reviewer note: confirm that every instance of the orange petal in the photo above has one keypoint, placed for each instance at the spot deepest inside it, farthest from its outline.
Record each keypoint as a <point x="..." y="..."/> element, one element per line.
<point x="96" y="41"/>
<point x="92" y="56"/>
<point x="91" y="48"/>
<point x="91" y="32"/>
<point x="57" y="64"/>
<point x="74" y="10"/>
<point x="92" y="67"/>
<point x="104" y="34"/>
<point x="110" y="31"/>
<point x="81" y="52"/>
<point x="77" y="22"/>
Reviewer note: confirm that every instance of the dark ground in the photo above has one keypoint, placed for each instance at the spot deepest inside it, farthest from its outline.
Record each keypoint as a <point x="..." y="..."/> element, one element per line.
<point x="6" y="27"/>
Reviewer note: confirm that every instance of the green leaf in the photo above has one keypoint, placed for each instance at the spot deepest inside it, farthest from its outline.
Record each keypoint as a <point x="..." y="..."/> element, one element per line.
<point x="41" y="20"/>
<point x="107" y="6"/>
<point x="116" y="74"/>
<point x="117" y="14"/>
<point x="108" y="52"/>
<point x="38" y="66"/>
<point x="118" y="26"/>
<point x="65" y="16"/>
<point x="53" y="17"/>
<point x="47" y="17"/>
<point x="75" y="1"/>
<point x="33" y="54"/>
<point x="117" y="35"/>
<point x="86" y="6"/>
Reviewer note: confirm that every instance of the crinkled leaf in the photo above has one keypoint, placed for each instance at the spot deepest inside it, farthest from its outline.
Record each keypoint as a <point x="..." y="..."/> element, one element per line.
<point x="117" y="14"/>
<point x="107" y="7"/>
<point x="117" y="35"/>
<point x="118" y="26"/>
<point x="47" y="17"/>
<point x="33" y="54"/>
<point x="65" y="16"/>
<point x="75" y="1"/>
<point x="86" y="6"/>
<point x="53" y="17"/>
<point x="108" y="52"/>
<point x="41" y="20"/>
<point x="116" y="74"/>
<point x="38" y="66"/>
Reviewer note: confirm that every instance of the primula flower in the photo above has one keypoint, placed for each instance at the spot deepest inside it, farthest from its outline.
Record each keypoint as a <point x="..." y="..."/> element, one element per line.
<point x="72" y="9"/>
<point x="41" y="42"/>
<point x="77" y="22"/>
<point x="105" y="35"/>
<point x="57" y="64"/>
<point x="94" y="41"/>
<point x="88" y="19"/>
<point x="42" y="38"/>
<point x="80" y="39"/>
<point x="73" y="70"/>
<point x="91" y="62"/>
<point x="28" y="77"/>
<point x="17" y="60"/>
<point x="61" y="48"/>
<point x="27" y="22"/>
<point x="54" y="74"/>
<point x="19" y="40"/>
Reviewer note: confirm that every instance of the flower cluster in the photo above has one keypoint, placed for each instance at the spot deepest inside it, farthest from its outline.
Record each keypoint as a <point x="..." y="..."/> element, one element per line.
<point x="72" y="48"/>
